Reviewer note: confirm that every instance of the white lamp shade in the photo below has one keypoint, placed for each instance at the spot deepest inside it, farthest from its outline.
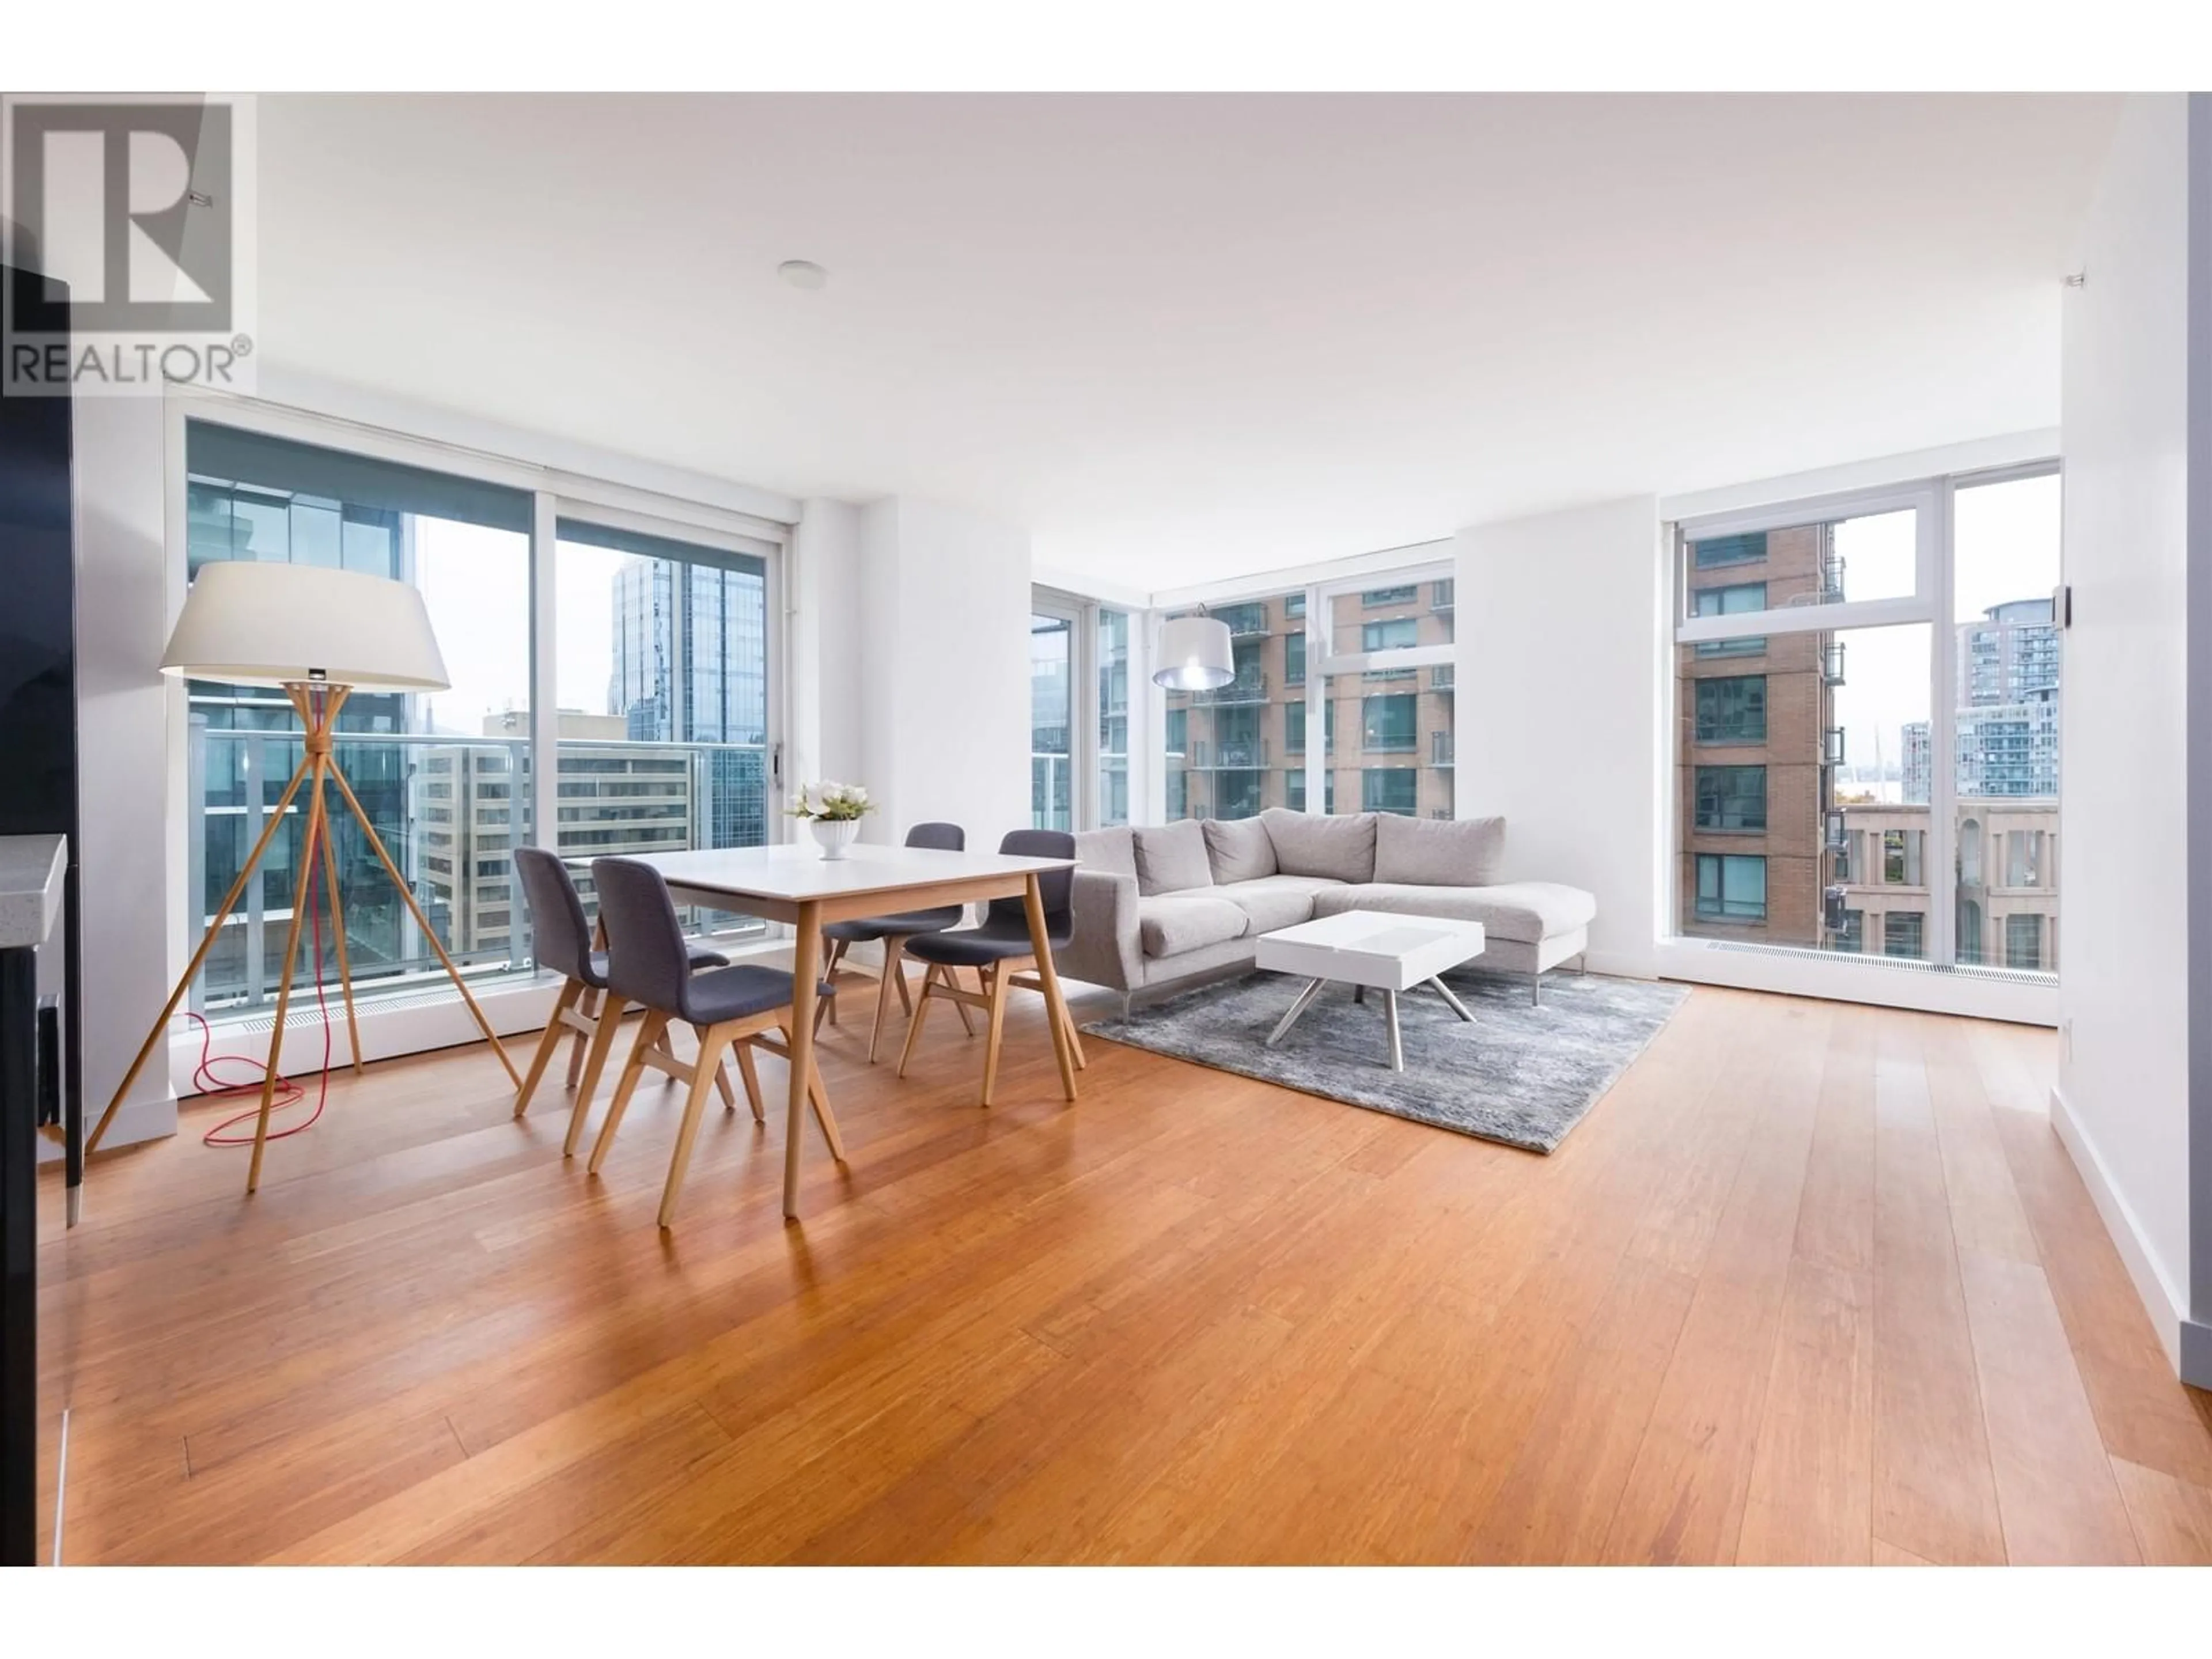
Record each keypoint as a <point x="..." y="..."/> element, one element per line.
<point x="1194" y="655"/>
<point x="273" y="624"/>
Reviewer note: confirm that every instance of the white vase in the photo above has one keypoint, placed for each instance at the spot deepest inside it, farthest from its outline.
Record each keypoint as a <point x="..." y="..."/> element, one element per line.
<point x="835" y="834"/>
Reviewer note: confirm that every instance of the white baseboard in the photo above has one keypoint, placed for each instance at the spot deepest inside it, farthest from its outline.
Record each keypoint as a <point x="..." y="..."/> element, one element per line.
<point x="151" y="1117"/>
<point x="2188" y="1343"/>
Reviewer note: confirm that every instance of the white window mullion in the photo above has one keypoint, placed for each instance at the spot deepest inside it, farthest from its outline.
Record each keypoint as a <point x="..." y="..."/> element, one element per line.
<point x="1317" y="648"/>
<point x="1943" y="736"/>
<point x="544" y="676"/>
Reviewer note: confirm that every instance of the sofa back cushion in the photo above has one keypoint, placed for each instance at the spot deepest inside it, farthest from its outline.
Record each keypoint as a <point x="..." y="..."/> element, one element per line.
<point x="1239" y="850"/>
<point x="1171" y="859"/>
<point x="1113" y="850"/>
<point x="1434" y="853"/>
<point x="1315" y="844"/>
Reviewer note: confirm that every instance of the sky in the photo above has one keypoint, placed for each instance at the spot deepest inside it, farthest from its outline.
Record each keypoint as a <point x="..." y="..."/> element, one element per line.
<point x="2006" y="541"/>
<point x="476" y="582"/>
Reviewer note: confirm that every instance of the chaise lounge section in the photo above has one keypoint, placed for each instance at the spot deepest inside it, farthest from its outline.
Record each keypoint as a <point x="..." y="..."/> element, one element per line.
<point x="1160" y="908"/>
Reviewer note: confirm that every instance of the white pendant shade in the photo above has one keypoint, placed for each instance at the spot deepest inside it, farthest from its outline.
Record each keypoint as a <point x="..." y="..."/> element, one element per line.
<point x="272" y="624"/>
<point x="1194" y="655"/>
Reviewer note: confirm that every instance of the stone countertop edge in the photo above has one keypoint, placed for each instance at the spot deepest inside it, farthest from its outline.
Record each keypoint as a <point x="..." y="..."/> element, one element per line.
<point x="31" y="869"/>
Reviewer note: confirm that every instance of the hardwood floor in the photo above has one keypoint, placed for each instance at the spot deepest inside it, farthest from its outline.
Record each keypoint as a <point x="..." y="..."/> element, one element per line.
<point x="1813" y="1282"/>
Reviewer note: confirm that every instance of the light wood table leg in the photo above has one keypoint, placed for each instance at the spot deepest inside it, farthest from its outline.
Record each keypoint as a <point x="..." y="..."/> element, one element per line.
<point x="1048" y="975"/>
<point x="893" y="975"/>
<point x="805" y="971"/>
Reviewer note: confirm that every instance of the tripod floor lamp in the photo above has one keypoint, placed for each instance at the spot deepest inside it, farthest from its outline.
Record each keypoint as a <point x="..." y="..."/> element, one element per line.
<point x="321" y="634"/>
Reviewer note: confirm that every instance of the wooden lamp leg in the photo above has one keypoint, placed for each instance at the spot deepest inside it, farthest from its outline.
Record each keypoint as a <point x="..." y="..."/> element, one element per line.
<point x="338" y="930"/>
<point x="308" y="849"/>
<point x="207" y="944"/>
<point x="376" y="846"/>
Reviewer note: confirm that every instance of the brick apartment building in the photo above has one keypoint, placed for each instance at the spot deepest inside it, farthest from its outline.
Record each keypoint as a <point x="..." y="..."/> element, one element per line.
<point x="1758" y="743"/>
<point x="1389" y="735"/>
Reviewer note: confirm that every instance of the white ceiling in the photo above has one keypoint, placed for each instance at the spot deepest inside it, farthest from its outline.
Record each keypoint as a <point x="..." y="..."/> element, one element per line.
<point x="1185" y="337"/>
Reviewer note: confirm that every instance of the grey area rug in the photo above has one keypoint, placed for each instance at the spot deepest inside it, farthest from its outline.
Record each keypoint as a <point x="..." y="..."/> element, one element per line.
<point x="1519" y="1074"/>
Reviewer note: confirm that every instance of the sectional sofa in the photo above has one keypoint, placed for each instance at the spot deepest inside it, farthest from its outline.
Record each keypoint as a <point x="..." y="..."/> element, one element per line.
<point x="1155" y="908"/>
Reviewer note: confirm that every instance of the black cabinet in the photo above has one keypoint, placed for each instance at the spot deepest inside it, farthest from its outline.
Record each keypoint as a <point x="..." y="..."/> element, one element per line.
<point x="38" y="797"/>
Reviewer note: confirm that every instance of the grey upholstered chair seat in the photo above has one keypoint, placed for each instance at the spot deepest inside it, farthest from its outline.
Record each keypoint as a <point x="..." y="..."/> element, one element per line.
<point x="995" y="941"/>
<point x="723" y="993"/>
<point x="867" y="929"/>
<point x="596" y="973"/>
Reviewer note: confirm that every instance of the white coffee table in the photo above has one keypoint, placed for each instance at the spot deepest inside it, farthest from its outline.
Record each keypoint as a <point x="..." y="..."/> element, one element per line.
<point x="1365" y="948"/>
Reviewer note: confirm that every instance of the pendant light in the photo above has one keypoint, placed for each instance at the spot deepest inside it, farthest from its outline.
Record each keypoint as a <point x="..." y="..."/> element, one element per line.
<point x="1194" y="655"/>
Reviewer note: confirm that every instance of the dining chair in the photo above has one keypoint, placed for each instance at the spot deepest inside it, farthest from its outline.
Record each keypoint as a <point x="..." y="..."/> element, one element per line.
<point x="894" y="932"/>
<point x="1001" y="952"/>
<point x="732" y="1007"/>
<point x="585" y="1009"/>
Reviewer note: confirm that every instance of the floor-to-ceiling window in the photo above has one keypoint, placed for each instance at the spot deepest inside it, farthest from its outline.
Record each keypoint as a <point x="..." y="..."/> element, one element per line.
<point x="1367" y="663"/>
<point x="655" y="670"/>
<point x="1052" y="747"/>
<point x="440" y="774"/>
<point x="661" y="662"/>
<point x="1079" y="711"/>
<point x="1867" y="724"/>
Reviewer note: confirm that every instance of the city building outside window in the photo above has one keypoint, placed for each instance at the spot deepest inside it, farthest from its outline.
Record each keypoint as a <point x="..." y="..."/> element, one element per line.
<point x="1876" y="635"/>
<point x="1219" y="758"/>
<point x="1729" y="550"/>
<point x="659" y="650"/>
<point x="1731" y="798"/>
<point x="2024" y="941"/>
<point x="1731" y="887"/>
<point x="1394" y="789"/>
<point x="1732" y="710"/>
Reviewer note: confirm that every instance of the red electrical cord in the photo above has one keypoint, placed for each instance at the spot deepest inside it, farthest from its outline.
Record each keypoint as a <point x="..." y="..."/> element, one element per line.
<point x="288" y="1093"/>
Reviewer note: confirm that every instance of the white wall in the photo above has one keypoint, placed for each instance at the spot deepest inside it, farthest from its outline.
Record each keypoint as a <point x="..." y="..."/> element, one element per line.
<point x="943" y="670"/>
<point x="1558" y="676"/>
<point x="2125" y="1081"/>
<point x="123" y="620"/>
<point x="823" y="733"/>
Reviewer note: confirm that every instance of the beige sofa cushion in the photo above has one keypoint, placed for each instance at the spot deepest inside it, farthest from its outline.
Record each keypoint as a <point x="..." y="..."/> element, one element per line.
<point x="1169" y="924"/>
<point x="1275" y="902"/>
<point x="1239" y="850"/>
<point x="1525" y="912"/>
<point x="1315" y="844"/>
<point x="1438" y="853"/>
<point x="1171" y="858"/>
<point x="1113" y="850"/>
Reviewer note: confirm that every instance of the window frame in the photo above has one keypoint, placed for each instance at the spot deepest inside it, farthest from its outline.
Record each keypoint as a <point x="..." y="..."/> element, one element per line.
<point x="555" y="492"/>
<point x="1932" y="499"/>
<point x="1311" y="603"/>
<point x="1083" y="612"/>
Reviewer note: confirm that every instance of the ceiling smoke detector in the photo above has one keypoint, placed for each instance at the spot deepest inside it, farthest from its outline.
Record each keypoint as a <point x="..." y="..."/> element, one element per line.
<point x="803" y="273"/>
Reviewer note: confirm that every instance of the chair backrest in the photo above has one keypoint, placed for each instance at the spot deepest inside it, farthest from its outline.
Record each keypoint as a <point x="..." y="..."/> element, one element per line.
<point x="561" y="936"/>
<point x="647" y="960"/>
<point x="1055" y="887"/>
<point x="940" y="837"/>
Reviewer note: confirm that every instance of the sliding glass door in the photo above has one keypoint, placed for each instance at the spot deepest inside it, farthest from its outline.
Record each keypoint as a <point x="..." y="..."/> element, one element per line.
<point x="665" y="695"/>
<point x="437" y="773"/>
<point x="637" y="657"/>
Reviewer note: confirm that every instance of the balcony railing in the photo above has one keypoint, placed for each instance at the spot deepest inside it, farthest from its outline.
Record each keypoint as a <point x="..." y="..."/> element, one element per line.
<point x="1243" y="756"/>
<point x="1440" y="678"/>
<point x="1245" y="688"/>
<point x="437" y="802"/>
<point x="1831" y="663"/>
<point x="1440" y="749"/>
<point x="1832" y="746"/>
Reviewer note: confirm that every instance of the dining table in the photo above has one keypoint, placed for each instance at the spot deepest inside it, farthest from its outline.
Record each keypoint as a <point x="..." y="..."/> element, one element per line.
<point x="792" y="883"/>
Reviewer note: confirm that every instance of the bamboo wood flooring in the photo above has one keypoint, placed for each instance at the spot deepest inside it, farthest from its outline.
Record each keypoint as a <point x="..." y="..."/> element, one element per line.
<point x="1813" y="1283"/>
